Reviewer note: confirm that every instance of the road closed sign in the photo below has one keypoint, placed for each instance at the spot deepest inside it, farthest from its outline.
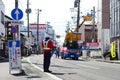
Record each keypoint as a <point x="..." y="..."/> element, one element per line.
<point x="14" y="55"/>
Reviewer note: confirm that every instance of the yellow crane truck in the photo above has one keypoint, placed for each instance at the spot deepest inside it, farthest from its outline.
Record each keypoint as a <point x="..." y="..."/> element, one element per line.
<point x="71" y="39"/>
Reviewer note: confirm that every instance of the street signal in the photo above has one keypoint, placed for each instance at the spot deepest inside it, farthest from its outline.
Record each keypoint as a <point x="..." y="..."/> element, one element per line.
<point x="8" y="31"/>
<point x="9" y="34"/>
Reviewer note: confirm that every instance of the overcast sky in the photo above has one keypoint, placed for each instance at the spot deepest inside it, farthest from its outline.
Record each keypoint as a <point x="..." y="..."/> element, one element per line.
<point x="57" y="12"/>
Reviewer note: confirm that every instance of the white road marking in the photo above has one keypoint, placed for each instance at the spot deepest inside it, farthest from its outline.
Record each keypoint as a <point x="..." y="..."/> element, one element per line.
<point x="49" y="74"/>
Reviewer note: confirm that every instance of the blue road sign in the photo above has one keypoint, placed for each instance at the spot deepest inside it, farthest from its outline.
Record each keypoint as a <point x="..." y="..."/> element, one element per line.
<point x="17" y="14"/>
<point x="10" y="43"/>
<point x="13" y="29"/>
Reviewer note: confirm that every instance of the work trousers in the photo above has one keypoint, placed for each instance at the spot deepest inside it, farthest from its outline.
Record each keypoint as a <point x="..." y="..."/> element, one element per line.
<point x="46" y="64"/>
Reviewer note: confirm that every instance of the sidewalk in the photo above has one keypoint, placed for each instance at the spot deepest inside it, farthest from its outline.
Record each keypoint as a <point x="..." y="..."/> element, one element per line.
<point x="29" y="72"/>
<point x="4" y="74"/>
<point x="109" y="61"/>
<point x="101" y="60"/>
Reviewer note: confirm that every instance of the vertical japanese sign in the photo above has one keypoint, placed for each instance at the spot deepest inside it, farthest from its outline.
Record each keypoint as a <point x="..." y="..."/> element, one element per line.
<point x="14" y="55"/>
<point x="113" y="53"/>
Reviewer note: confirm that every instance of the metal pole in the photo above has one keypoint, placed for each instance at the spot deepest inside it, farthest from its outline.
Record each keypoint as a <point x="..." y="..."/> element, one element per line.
<point x="28" y="16"/>
<point x="78" y="14"/>
<point x="16" y="3"/>
<point x="28" y="10"/>
<point x="38" y="49"/>
<point x="16" y="6"/>
<point x="38" y="31"/>
<point x="94" y="38"/>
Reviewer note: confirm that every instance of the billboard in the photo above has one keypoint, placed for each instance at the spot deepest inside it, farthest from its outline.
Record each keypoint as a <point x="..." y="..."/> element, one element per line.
<point x="41" y="29"/>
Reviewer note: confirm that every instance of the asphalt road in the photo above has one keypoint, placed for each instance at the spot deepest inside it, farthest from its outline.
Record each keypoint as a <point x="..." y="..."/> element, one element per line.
<point x="79" y="69"/>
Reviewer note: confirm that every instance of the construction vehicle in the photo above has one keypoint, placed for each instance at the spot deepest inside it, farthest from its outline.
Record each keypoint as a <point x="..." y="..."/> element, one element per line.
<point x="71" y="39"/>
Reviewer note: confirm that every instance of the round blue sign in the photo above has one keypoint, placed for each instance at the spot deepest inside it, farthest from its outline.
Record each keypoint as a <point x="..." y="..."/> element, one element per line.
<point x="17" y="14"/>
<point x="13" y="29"/>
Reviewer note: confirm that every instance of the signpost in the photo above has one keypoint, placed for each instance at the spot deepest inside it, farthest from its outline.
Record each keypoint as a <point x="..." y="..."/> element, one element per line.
<point x="14" y="55"/>
<point x="14" y="45"/>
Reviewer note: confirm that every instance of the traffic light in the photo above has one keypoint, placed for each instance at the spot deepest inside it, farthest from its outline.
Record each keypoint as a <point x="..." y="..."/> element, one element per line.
<point x="8" y="31"/>
<point x="9" y="34"/>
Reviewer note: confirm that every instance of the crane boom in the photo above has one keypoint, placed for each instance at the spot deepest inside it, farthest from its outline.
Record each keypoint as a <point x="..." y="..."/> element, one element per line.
<point x="70" y="35"/>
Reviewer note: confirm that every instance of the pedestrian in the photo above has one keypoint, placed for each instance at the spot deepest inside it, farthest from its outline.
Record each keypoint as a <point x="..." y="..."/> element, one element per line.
<point x="47" y="45"/>
<point x="57" y="53"/>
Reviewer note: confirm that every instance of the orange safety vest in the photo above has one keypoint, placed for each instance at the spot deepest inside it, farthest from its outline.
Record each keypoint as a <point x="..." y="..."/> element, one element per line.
<point x="45" y="45"/>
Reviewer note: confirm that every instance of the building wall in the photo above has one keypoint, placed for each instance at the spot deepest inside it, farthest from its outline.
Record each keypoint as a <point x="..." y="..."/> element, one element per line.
<point x="115" y="18"/>
<point x="90" y="33"/>
<point x="87" y="32"/>
<point x="105" y="14"/>
<point x="2" y="13"/>
<point x="115" y="24"/>
<point x="99" y="22"/>
<point x="81" y="30"/>
<point x="2" y="29"/>
<point x="103" y="24"/>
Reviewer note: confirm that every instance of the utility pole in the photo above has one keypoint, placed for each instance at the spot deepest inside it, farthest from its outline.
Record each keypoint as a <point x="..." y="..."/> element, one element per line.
<point x="78" y="15"/>
<point x="28" y="11"/>
<point x="77" y="4"/>
<point x="38" y="47"/>
<point x="93" y="16"/>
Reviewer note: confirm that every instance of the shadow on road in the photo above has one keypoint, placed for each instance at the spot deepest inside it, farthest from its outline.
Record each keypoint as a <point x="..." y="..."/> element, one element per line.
<point x="4" y="60"/>
<point x="33" y="77"/>
<point x="22" y="73"/>
<point x="77" y="60"/>
<point x="62" y="66"/>
<point x="63" y="73"/>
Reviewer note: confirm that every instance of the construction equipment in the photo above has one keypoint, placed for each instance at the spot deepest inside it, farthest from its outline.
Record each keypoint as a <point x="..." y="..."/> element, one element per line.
<point x="70" y="35"/>
<point x="71" y="40"/>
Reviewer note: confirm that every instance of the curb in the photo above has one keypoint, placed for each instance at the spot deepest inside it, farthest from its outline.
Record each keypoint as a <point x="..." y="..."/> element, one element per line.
<point x="116" y="62"/>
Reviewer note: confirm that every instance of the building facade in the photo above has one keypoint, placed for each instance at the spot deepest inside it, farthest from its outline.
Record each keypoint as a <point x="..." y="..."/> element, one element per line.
<point x="87" y="32"/>
<point x="103" y="23"/>
<point x="115" y="24"/>
<point x="2" y="29"/>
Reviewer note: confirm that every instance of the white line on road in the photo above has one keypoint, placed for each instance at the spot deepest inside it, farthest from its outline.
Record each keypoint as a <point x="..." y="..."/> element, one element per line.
<point x="51" y="75"/>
